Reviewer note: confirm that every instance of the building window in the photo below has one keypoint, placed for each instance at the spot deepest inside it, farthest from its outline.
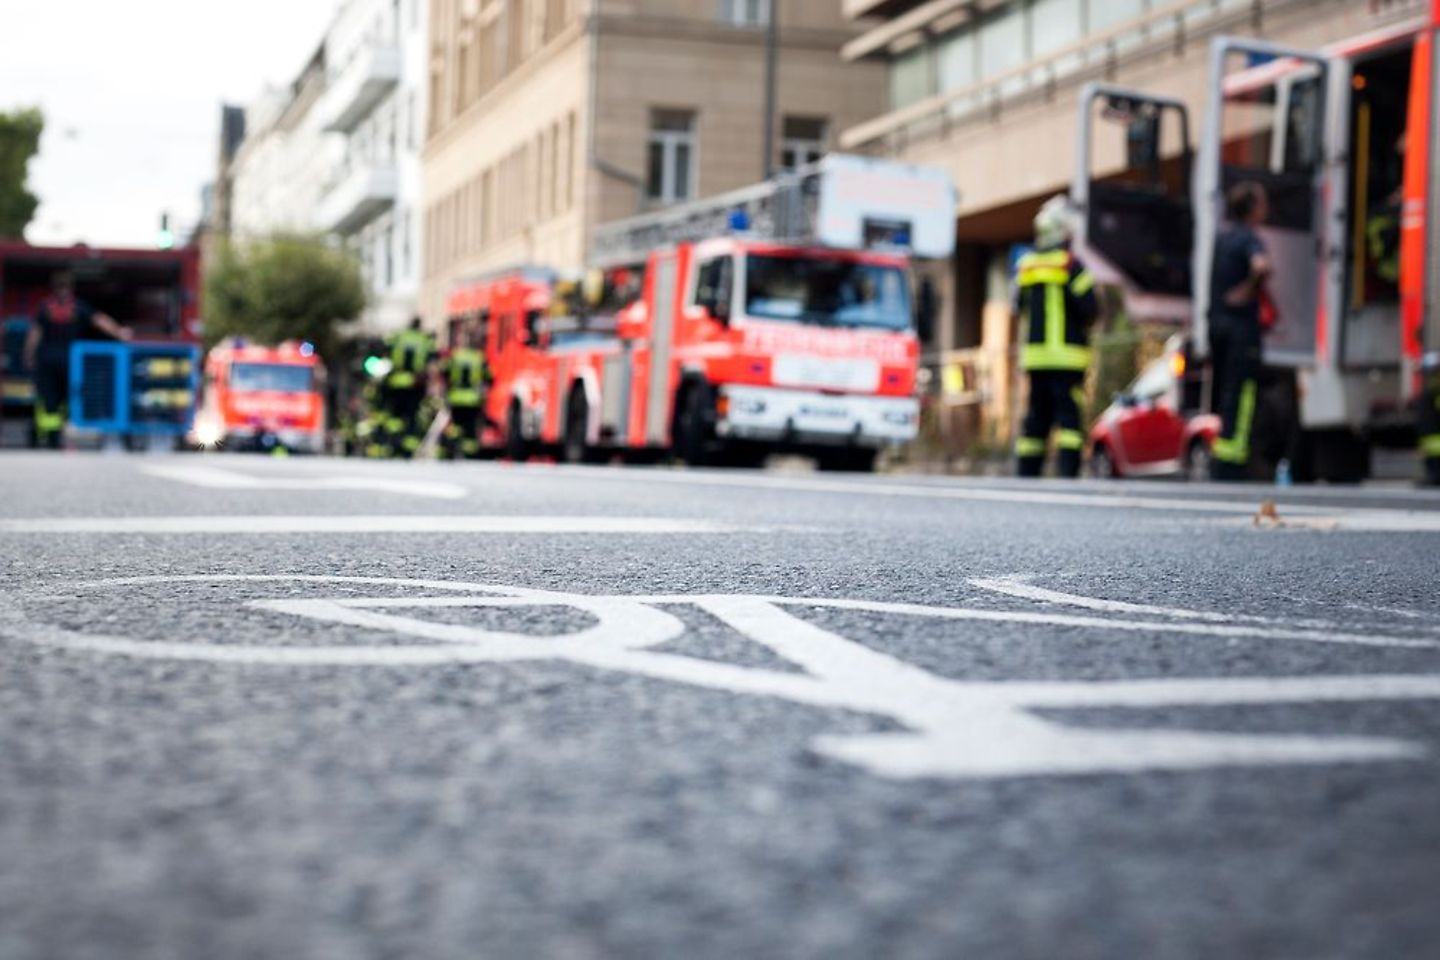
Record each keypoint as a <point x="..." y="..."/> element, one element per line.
<point x="802" y="141"/>
<point x="570" y="160"/>
<point x="745" y="13"/>
<point x="670" y="174"/>
<point x="388" y="239"/>
<point x="405" y="245"/>
<point x="910" y="77"/>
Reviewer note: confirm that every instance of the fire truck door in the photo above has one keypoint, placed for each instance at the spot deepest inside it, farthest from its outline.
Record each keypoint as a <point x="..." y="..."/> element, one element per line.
<point x="662" y="349"/>
<point x="1132" y="189"/>
<point x="1265" y="122"/>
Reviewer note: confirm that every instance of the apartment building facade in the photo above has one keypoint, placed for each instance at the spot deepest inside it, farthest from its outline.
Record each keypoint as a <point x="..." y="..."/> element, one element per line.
<point x="549" y="117"/>
<point x="282" y="168"/>
<point x="375" y="102"/>
<point x="337" y="151"/>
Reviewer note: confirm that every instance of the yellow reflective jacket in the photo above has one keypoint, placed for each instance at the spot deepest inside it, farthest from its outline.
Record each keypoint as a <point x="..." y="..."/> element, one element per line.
<point x="1057" y="305"/>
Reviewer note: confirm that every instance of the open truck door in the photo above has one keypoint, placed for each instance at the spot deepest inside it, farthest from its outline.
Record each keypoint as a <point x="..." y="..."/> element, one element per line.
<point x="1132" y="192"/>
<point x="1265" y="122"/>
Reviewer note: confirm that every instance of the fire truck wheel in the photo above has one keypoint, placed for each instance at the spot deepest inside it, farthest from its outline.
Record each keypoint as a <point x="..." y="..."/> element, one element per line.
<point x="694" y="424"/>
<point x="848" y="460"/>
<point x="517" y="448"/>
<point x="573" y="449"/>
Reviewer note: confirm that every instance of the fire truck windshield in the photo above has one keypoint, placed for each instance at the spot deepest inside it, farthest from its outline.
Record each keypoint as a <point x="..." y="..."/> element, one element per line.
<point x="278" y="377"/>
<point x="826" y="292"/>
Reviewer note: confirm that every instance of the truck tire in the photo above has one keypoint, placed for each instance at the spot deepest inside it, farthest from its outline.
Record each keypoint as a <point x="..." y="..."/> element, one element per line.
<point x="1338" y="456"/>
<point x="693" y="436"/>
<point x="848" y="460"/>
<point x="517" y="448"/>
<point x="573" y="448"/>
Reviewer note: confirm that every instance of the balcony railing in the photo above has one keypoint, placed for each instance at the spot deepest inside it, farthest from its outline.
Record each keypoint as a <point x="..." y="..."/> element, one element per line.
<point x="366" y="80"/>
<point x="359" y="197"/>
<point x="1170" y="25"/>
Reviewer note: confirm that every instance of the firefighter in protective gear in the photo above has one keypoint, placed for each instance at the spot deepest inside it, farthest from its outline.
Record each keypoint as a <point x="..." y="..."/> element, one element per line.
<point x="411" y="351"/>
<point x="61" y="320"/>
<point x="466" y="376"/>
<point x="1428" y="420"/>
<point x="1057" y="305"/>
<point x="1241" y="268"/>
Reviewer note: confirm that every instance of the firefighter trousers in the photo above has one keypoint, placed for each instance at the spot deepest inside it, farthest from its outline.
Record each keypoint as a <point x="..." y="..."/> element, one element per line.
<point x="1235" y="359"/>
<point x="402" y="419"/>
<point x="1427" y="423"/>
<point x="1054" y="403"/>
<point x="52" y="388"/>
<point x="462" y="436"/>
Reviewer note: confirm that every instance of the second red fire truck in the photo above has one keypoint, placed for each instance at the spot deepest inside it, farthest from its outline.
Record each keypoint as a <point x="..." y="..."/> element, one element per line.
<point x="783" y="316"/>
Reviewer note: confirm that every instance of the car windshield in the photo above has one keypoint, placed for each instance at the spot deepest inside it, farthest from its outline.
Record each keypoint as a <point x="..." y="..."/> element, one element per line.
<point x="1154" y="380"/>
<point x="826" y="292"/>
<point x="280" y="377"/>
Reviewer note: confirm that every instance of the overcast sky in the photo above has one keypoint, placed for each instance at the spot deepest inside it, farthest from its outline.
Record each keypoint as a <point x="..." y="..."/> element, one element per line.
<point x="131" y="91"/>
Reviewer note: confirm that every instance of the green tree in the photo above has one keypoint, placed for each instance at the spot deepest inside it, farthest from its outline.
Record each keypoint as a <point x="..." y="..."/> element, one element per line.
<point x="19" y="141"/>
<point x="286" y="287"/>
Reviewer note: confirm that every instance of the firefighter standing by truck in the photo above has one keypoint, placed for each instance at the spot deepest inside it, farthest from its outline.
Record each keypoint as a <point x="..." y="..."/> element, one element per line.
<point x="411" y="351"/>
<point x="466" y="376"/>
<point x="1237" y="285"/>
<point x="61" y="320"/>
<point x="1057" y="305"/>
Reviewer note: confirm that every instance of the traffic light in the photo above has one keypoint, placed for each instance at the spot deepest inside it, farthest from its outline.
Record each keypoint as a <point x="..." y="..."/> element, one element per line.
<point x="165" y="240"/>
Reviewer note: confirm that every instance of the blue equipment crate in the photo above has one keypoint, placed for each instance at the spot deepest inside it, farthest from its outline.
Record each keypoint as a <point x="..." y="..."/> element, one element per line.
<point x="134" y="388"/>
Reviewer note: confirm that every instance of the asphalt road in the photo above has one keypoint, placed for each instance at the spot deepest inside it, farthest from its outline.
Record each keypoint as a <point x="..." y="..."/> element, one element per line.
<point x="314" y="708"/>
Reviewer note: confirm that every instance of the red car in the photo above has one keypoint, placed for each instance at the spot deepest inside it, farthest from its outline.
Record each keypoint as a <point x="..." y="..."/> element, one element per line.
<point x="1154" y="427"/>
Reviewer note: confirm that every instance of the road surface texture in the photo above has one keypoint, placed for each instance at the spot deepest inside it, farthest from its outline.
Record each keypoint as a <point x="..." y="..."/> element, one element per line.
<point x="328" y="709"/>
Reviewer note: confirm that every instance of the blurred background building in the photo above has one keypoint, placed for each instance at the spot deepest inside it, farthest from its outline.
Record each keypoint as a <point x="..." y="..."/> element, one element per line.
<point x="338" y="152"/>
<point x="548" y="117"/>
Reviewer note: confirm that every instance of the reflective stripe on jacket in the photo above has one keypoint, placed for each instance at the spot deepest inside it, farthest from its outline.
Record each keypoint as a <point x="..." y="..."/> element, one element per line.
<point x="464" y="376"/>
<point x="1057" y="305"/>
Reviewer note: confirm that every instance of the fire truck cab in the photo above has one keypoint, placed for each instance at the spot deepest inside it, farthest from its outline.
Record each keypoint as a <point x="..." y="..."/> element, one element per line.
<point x="262" y="398"/>
<point x="780" y="317"/>
<point x="1342" y="141"/>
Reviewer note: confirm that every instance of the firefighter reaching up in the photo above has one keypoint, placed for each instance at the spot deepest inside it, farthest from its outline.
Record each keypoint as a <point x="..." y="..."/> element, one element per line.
<point x="1057" y="305"/>
<point x="61" y="320"/>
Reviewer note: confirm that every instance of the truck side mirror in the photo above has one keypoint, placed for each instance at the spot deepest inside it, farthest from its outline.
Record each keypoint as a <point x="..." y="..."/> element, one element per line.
<point x="927" y="308"/>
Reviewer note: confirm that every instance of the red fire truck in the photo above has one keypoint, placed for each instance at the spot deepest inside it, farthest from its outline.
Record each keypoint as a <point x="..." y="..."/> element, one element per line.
<point x="782" y="316"/>
<point x="262" y="398"/>
<point x="1344" y="142"/>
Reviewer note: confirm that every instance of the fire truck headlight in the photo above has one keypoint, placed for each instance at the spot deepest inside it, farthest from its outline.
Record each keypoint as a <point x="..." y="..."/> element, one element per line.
<point x="899" y="417"/>
<point x="751" y="406"/>
<point x="208" y="434"/>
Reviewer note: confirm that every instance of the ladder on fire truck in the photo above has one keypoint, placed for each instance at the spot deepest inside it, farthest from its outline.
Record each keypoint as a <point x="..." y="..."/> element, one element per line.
<point x="839" y="201"/>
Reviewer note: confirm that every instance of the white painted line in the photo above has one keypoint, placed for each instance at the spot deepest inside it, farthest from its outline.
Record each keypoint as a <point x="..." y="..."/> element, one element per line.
<point x="957" y="729"/>
<point x="216" y="478"/>
<point x="1398" y="521"/>
<point x="399" y="523"/>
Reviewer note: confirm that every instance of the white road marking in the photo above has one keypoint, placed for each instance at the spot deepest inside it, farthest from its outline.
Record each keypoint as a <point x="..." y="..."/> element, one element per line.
<point x="216" y="478"/>
<point x="954" y="728"/>
<point x="1363" y="519"/>
<point x="398" y="523"/>
<point x="1021" y="587"/>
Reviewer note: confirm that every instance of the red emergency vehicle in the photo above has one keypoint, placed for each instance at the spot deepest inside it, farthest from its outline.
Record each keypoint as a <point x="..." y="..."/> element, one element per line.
<point x="699" y="332"/>
<point x="262" y="398"/>
<point x="1344" y="141"/>
<point x="153" y="292"/>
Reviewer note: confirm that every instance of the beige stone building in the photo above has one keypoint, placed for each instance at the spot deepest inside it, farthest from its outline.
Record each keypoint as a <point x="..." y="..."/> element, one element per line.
<point x="988" y="90"/>
<point x="548" y="117"/>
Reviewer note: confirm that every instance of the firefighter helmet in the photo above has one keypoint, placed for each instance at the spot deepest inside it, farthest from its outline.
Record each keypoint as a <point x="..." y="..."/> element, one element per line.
<point x="1053" y="223"/>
